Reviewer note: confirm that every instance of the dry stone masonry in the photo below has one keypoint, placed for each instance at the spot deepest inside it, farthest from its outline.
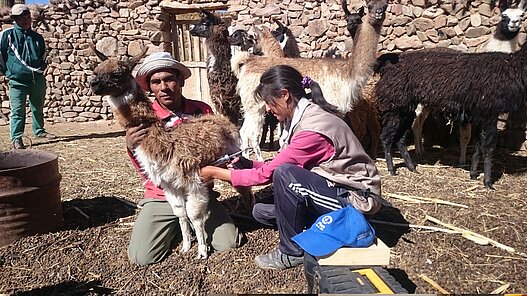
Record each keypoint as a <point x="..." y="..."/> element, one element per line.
<point x="122" y="28"/>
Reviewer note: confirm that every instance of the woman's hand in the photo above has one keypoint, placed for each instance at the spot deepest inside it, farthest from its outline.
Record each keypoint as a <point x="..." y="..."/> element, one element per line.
<point x="207" y="173"/>
<point x="134" y="136"/>
<point x="211" y="172"/>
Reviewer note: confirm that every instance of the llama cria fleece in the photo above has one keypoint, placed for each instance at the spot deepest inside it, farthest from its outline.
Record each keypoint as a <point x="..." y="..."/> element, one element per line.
<point x="171" y="158"/>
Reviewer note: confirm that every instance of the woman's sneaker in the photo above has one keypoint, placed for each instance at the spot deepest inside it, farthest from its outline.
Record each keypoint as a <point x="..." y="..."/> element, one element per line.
<point x="278" y="260"/>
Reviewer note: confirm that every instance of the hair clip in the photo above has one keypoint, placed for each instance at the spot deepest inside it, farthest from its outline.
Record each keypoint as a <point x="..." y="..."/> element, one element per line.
<point x="306" y="81"/>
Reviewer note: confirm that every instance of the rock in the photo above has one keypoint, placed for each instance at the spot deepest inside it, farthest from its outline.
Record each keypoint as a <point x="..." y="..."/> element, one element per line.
<point x="423" y="24"/>
<point x="108" y="46"/>
<point x="476" y="32"/>
<point x="475" y="20"/>
<point x="406" y="42"/>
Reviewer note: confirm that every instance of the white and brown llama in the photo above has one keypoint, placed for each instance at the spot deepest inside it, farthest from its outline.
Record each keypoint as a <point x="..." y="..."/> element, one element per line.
<point x="341" y="80"/>
<point x="170" y="158"/>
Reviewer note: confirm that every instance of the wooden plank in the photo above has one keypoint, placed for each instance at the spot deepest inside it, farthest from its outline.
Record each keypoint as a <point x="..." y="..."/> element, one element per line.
<point x="177" y="7"/>
<point x="376" y="254"/>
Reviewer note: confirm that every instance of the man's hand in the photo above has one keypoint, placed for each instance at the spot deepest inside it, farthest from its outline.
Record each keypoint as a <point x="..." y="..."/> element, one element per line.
<point x="134" y="136"/>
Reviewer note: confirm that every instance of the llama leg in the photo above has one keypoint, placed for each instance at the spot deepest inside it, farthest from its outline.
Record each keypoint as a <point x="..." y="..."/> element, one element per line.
<point x="465" y="133"/>
<point x="421" y="113"/>
<point x="374" y="128"/>
<point x="198" y="213"/>
<point x="254" y="133"/>
<point x="244" y="138"/>
<point x="271" y="136"/>
<point x="177" y="202"/>
<point x="475" y="158"/>
<point x="388" y="133"/>
<point x="265" y="129"/>
<point x="247" y="198"/>
<point x="488" y="147"/>
<point x="401" y="145"/>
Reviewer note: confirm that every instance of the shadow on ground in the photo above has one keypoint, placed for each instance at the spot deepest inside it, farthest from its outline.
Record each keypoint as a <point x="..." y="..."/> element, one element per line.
<point x="86" y="213"/>
<point x="69" y="288"/>
<point x="79" y="137"/>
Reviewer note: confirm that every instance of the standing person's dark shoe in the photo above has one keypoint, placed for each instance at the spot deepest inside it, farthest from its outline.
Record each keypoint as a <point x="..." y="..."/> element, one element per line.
<point x="46" y="135"/>
<point x="18" y="144"/>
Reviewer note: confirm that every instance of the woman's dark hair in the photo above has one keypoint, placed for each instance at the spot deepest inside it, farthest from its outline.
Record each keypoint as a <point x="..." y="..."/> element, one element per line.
<point x="280" y="77"/>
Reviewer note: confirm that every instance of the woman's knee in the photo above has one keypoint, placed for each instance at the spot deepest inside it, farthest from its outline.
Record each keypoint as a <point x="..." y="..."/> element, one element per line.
<point x="285" y="171"/>
<point x="264" y="214"/>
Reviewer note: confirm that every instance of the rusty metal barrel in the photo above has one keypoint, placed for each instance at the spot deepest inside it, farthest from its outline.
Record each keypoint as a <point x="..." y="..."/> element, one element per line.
<point x="29" y="194"/>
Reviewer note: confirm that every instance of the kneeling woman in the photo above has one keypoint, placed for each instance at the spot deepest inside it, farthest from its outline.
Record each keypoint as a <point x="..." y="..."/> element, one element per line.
<point x="320" y="168"/>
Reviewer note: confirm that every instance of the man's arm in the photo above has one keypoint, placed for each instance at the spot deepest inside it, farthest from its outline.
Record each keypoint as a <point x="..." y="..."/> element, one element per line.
<point x="3" y="50"/>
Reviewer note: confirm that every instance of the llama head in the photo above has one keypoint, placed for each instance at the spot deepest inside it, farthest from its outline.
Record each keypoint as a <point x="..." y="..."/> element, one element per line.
<point x="265" y="41"/>
<point x="376" y="11"/>
<point x="206" y="26"/>
<point x="281" y="33"/>
<point x="511" y="18"/>
<point x="242" y="38"/>
<point x="353" y="20"/>
<point x="113" y="77"/>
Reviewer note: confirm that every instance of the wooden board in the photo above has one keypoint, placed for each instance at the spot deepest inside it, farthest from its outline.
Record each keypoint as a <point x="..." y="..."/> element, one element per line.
<point x="376" y="254"/>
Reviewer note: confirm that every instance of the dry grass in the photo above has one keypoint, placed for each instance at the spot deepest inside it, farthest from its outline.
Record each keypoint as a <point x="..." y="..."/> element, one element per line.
<point x="88" y="255"/>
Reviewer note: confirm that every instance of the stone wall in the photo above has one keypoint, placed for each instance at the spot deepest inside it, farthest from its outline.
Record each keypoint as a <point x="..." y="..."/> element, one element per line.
<point x="320" y="25"/>
<point x="122" y="27"/>
<point x="118" y="28"/>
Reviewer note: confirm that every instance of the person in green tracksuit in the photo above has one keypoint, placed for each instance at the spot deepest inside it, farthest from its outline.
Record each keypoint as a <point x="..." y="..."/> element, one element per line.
<point x="23" y="61"/>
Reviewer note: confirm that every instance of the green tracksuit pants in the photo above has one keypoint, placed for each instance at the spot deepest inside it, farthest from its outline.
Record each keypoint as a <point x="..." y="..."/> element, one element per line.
<point x="19" y="92"/>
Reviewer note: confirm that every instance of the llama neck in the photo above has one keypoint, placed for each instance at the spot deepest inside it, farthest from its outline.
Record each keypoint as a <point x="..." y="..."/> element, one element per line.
<point x="137" y="111"/>
<point x="365" y="50"/>
<point x="219" y="48"/>
<point x="271" y="47"/>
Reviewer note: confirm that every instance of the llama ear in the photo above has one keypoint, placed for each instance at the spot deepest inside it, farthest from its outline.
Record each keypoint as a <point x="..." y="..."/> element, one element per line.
<point x="502" y="4"/>
<point x="361" y="11"/>
<point x="522" y="5"/>
<point x="257" y="32"/>
<point x="345" y="8"/>
<point x="135" y="59"/>
<point x="99" y="54"/>
<point x="279" y="23"/>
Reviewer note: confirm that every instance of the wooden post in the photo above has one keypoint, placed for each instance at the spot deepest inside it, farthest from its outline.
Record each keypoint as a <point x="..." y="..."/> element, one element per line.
<point x="175" y="36"/>
<point x="7" y="3"/>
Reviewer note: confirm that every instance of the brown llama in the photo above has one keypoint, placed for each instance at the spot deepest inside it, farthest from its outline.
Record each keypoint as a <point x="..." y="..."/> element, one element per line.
<point x="222" y="82"/>
<point x="171" y="158"/>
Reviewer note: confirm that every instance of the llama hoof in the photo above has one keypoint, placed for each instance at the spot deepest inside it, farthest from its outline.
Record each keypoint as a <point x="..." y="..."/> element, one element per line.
<point x="202" y="252"/>
<point x="393" y="173"/>
<point x="473" y="176"/>
<point x="488" y="185"/>
<point x="186" y="246"/>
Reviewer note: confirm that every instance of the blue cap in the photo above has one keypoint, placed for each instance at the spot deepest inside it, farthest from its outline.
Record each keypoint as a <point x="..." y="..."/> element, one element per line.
<point x="344" y="227"/>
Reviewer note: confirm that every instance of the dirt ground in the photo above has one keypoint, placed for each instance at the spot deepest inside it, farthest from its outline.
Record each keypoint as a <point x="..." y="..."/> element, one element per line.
<point x="88" y="254"/>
